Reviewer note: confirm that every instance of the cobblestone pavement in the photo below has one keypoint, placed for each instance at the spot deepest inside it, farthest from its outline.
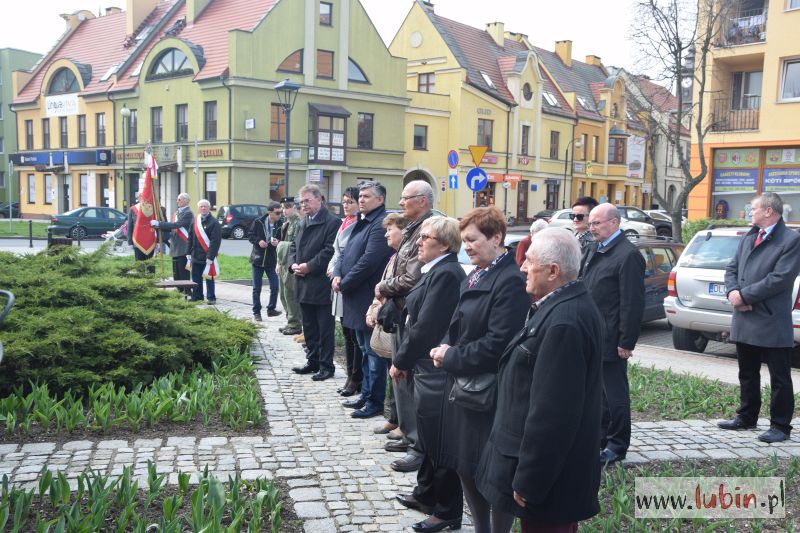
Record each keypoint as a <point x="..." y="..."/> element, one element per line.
<point x="336" y="468"/>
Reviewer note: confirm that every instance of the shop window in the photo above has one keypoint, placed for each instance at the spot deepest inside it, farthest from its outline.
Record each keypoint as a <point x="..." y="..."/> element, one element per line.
<point x="420" y="137"/>
<point x="210" y="187"/>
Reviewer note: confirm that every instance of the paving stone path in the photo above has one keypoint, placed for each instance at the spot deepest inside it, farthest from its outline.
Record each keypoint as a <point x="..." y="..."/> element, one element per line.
<point x="337" y="471"/>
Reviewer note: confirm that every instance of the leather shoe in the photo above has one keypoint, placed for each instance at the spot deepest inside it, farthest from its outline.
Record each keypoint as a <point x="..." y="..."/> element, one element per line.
<point x="773" y="435"/>
<point x="409" y="463"/>
<point x="426" y="527"/>
<point x="307" y="369"/>
<point x="257" y="317"/>
<point x="322" y="375"/>
<point x="384" y="428"/>
<point x="408" y="500"/>
<point x="356" y="403"/>
<point x="395" y="446"/>
<point x="608" y="457"/>
<point x="365" y="412"/>
<point x="351" y="389"/>
<point x="273" y="312"/>
<point x="735" y="423"/>
<point x="395" y="434"/>
<point x="290" y="331"/>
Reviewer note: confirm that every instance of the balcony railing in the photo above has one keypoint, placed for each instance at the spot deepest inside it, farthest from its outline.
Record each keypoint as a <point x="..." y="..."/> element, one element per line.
<point x="744" y="27"/>
<point x="726" y="118"/>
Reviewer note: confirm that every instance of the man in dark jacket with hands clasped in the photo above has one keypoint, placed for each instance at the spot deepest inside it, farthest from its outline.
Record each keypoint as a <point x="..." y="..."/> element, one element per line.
<point x="264" y="238"/>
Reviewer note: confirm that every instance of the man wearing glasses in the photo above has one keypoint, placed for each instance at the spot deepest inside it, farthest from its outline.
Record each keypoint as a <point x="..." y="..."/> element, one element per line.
<point x="613" y="271"/>
<point x="580" y="220"/>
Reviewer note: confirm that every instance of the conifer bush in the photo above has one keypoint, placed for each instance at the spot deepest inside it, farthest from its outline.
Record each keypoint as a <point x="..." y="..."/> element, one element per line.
<point x="83" y="319"/>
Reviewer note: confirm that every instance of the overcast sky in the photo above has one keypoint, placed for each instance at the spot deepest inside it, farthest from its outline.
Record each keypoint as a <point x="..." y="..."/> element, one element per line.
<point x="598" y="28"/>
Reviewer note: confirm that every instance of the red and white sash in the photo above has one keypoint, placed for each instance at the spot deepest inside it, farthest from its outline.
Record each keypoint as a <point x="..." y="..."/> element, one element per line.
<point x="182" y="232"/>
<point x="211" y="270"/>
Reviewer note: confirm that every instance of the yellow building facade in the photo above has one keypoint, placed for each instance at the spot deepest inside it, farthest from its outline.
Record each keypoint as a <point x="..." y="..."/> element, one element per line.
<point x="752" y="104"/>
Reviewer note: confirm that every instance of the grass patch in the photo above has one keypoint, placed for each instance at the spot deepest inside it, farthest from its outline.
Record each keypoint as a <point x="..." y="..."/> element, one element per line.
<point x="228" y="393"/>
<point x="83" y="320"/>
<point x="617" y="496"/>
<point x="19" y="228"/>
<point x="234" y="267"/>
<point x="101" y="503"/>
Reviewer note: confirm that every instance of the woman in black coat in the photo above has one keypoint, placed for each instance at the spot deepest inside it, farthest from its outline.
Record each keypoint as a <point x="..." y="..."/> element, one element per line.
<point x="423" y="323"/>
<point x="491" y="309"/>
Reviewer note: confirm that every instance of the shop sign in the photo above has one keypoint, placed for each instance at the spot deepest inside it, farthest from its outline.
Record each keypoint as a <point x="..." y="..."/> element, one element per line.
<point x="741" y="180"/>
<point x="635" y="157"/>
<point x="523" y="160"/>
<point x="62" y="105"/>
<point x="782" y="156"/>
<point x="782" y="179"/>
<point x="490" y="159"/>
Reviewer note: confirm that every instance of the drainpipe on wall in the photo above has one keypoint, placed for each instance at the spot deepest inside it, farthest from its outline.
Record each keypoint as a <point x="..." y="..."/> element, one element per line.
<point x="114" y="142"/>
<point x="508" y="155"/>
<point x="230" y="141"/>
<point x="19" y="192"/>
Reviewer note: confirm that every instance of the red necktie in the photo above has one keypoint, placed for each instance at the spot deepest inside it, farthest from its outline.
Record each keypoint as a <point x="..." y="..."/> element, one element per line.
<point x="760" y="237"/>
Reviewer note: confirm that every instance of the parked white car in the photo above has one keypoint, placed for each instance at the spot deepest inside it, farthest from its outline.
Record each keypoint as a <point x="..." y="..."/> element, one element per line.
<point x="511" y="242"/>
<point x="696" y="305"/>
<point x="628" y="227"/>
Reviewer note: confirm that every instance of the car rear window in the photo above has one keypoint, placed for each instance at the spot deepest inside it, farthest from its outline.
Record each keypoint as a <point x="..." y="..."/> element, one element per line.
<point x="714" y="252"/>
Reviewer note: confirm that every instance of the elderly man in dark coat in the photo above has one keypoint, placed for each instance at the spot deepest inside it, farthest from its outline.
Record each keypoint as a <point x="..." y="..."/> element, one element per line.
<point x="355" y="276"/>
<point x="180" y="236"/>
<point x="613" y="270"/>
<point x="308" y="258"/>
<point x="541" y="461"/>
<point x="759" y="281"/>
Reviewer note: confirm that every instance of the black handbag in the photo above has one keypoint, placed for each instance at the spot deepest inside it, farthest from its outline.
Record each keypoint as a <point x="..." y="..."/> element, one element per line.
<point x="476" y="393"/>
<point x="388" y="316"/>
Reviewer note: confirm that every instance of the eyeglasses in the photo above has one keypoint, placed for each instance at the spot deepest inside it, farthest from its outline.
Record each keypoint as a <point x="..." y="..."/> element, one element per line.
<point x="348" y="201"/>
<point x="597" y="223"/>
<point x="306" y="201"/>
<point x="579" y="217"/>
<point x="424" y="237"/>
<point x="407" y="198"/>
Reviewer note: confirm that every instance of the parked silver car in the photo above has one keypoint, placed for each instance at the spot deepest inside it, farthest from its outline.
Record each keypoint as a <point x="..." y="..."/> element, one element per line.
<point x="696" y="305"/>
<point x="629" y="227"/>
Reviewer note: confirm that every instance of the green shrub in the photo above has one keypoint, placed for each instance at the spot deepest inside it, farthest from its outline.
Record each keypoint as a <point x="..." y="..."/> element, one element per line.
<point x="83" y="319"/>
<point x="689" y="229"/>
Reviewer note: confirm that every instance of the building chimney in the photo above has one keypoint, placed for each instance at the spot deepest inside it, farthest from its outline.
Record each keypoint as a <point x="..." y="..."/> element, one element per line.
<point x="74" y="20"/>
<point x="564" y="52"/>
<point x="498" y="32"/>
<point x="136" y="11"/>
<point x="194" y="8"/>
<point x="113" y="10"/>
<point x="594" y="60"/>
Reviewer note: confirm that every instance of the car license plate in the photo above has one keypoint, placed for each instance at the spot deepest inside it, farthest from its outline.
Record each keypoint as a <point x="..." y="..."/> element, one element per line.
<point x="717" y="289"/>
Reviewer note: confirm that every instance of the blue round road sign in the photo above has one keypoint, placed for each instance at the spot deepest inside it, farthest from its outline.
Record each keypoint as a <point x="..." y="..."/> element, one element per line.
<point x="452" y="158"/>
<point x="477" y="179"/>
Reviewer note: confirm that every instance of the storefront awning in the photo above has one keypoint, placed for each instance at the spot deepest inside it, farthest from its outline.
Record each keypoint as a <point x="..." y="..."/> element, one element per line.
<point x="331" y="110"/>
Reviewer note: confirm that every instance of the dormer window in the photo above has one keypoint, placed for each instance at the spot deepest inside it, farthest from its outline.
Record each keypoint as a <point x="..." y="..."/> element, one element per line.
<point x="487" y="79"/>
<point x="170" y="64"/>
<point x="550" y="99"/>
<point x="582" y="101"/>
<point x="64" y="82"/>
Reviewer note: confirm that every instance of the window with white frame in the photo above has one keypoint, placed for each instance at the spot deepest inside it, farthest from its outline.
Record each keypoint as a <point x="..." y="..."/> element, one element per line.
<point x="794" y="4"/>
<point x="790" y="78"/>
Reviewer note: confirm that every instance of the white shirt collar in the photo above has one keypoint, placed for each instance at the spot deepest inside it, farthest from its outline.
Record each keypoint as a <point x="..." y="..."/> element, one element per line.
<point x="428" y="266"/>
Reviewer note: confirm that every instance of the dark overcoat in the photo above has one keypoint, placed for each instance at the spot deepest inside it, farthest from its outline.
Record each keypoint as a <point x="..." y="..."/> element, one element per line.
<point x="614" y="277"/>
<point x="361" y="267"/>
<point x="765" y="276"/>
<point x="543" y="443"/>
<point x="487" y="316"/>
<point x="313" y="245"/>
<point x="185" y="219"/>
<point x="214" y="231"/>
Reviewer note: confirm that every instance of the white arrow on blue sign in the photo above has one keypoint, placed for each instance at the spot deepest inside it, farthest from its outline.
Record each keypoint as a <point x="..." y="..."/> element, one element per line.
<point x="452" y="182"/>
<point x="477" y="179"/>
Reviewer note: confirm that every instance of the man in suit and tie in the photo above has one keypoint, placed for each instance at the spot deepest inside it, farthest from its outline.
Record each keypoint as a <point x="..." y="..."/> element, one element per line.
<point x="180" y="234"/>
<point x="264" y="238"/>
<point x="759" y="282"/>
<point x="613" y="271"/>
<point x="308" y="258"/>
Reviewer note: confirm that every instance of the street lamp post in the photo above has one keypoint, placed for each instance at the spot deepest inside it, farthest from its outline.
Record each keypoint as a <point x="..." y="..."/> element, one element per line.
<point x="287" y="95"/>
<point x="577" y="144"/>
<point x="126" y="116"/>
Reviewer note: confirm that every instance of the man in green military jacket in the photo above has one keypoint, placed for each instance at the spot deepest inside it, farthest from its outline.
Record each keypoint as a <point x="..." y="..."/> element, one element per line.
<point x="287" y="293"/>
